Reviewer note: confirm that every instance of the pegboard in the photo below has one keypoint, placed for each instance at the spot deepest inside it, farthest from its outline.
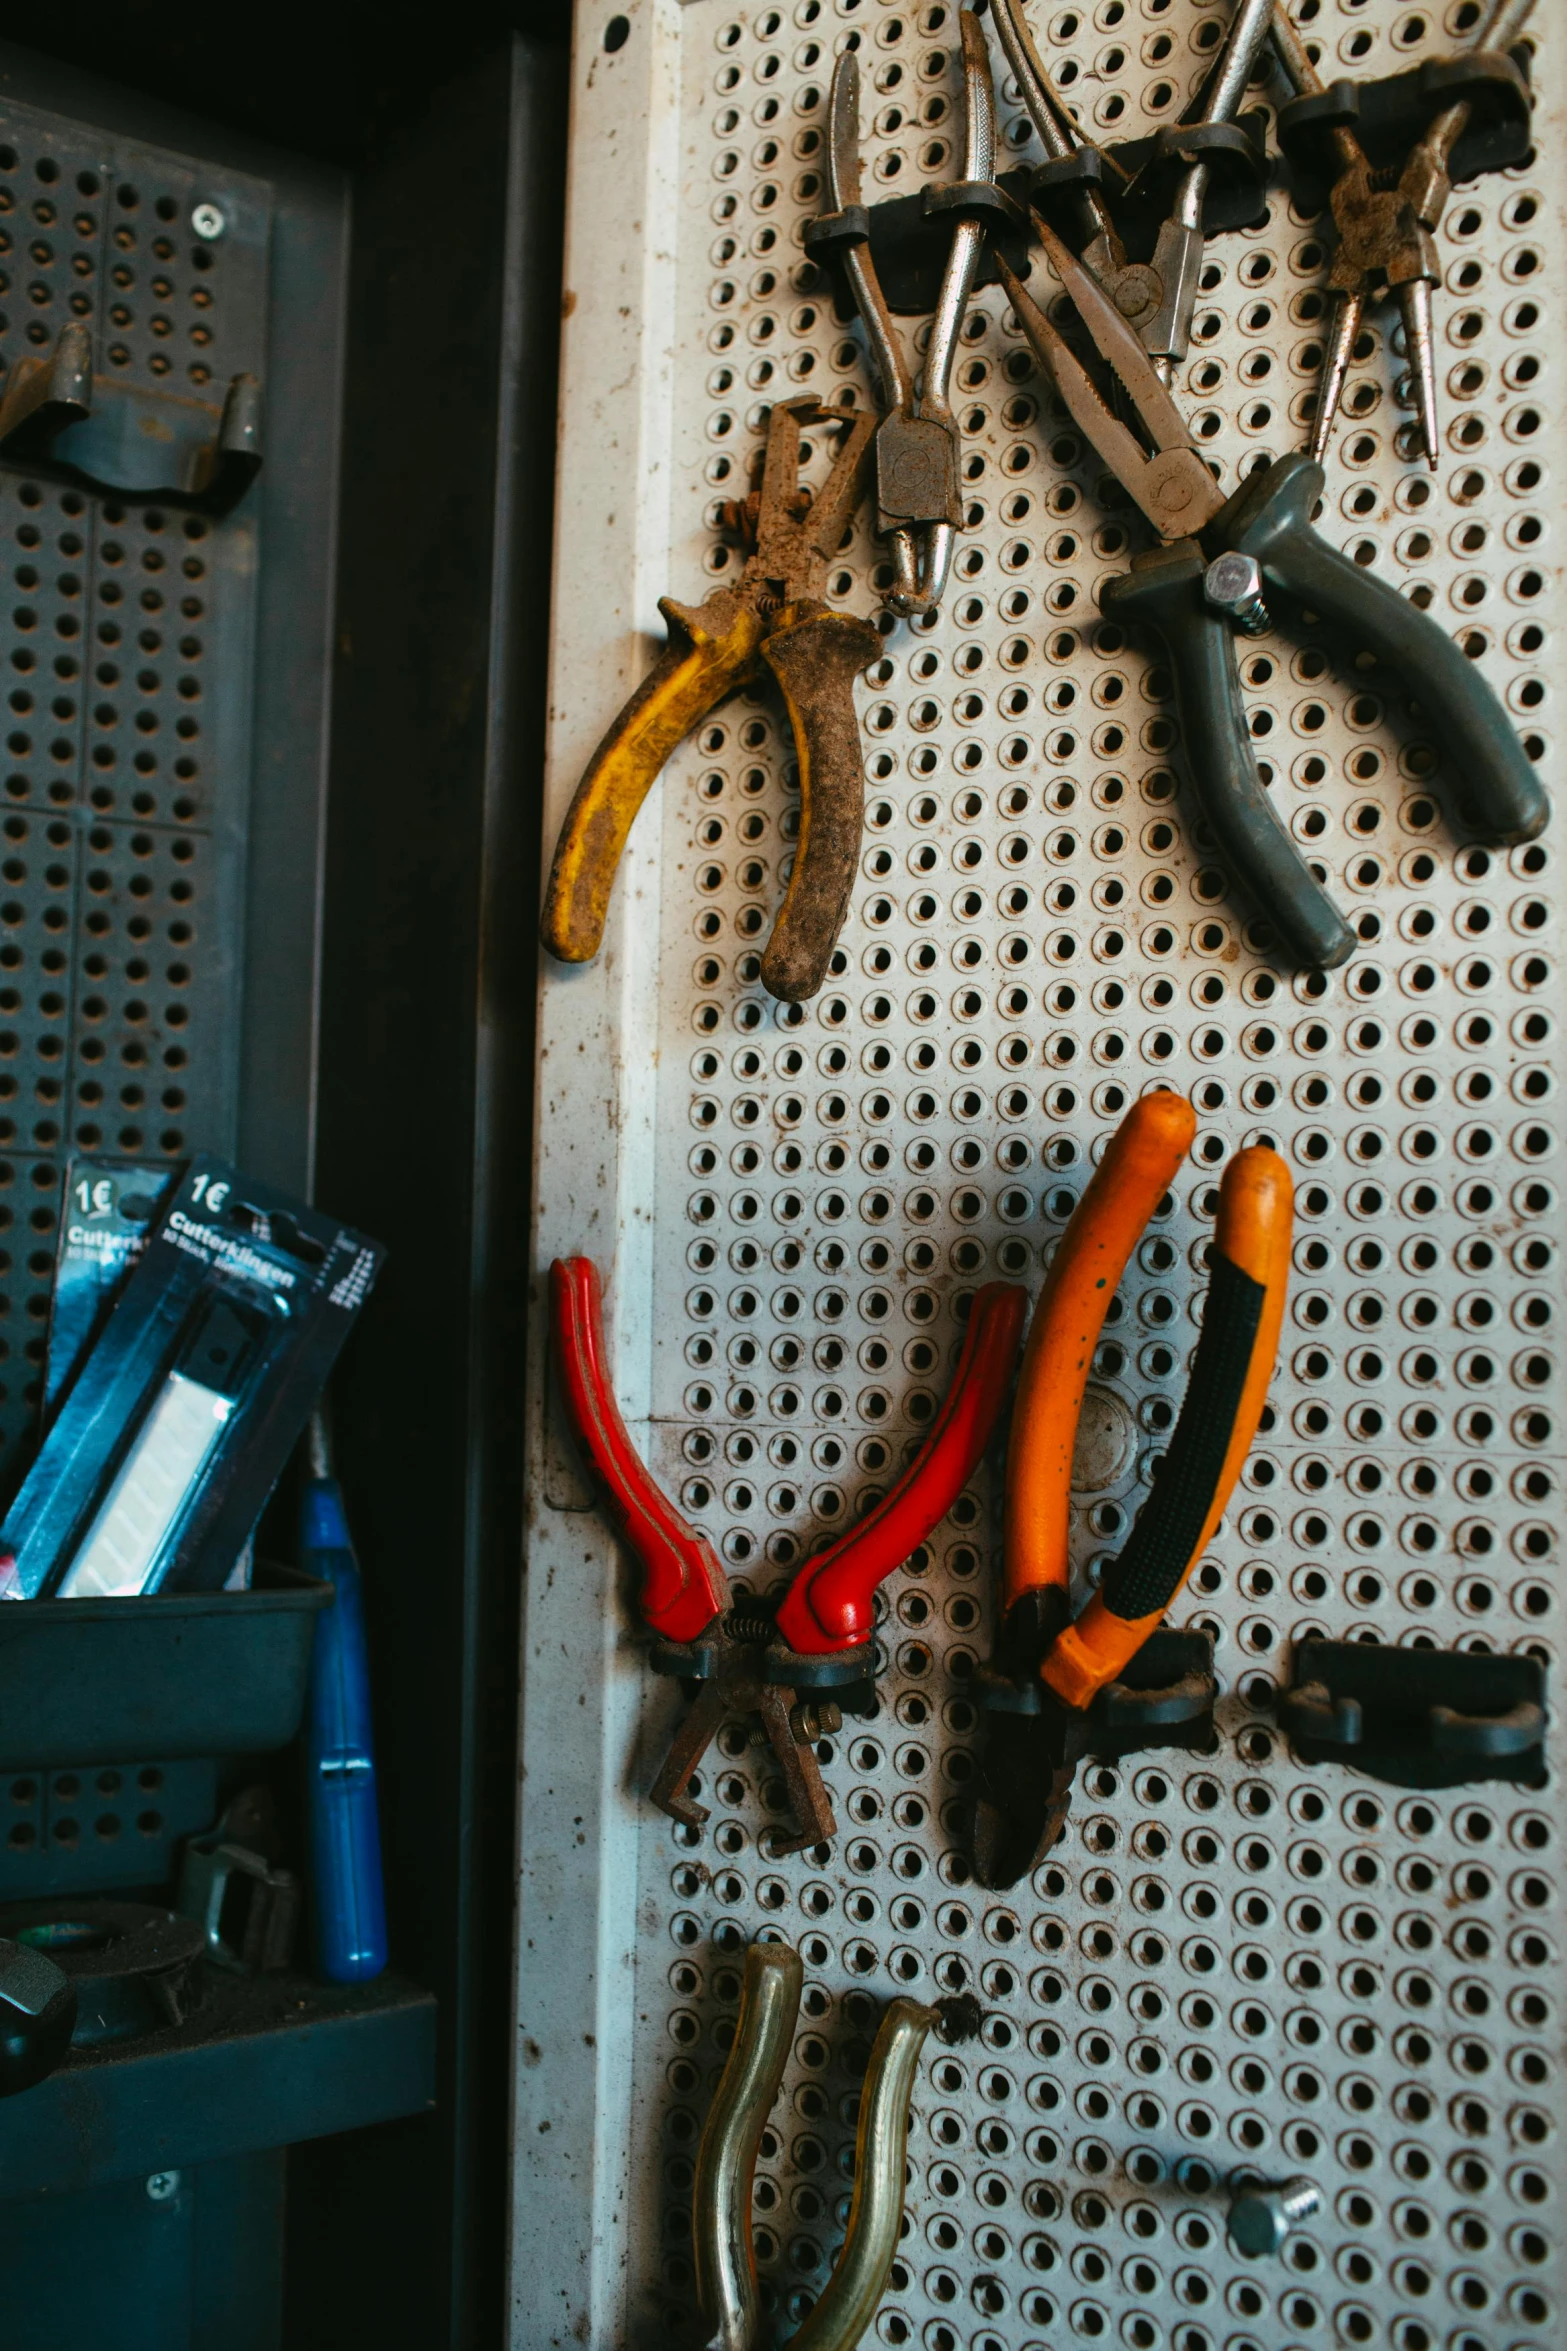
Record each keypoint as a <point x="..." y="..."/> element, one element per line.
<point x="1231" y="1965"/>
<point x="126" y="635"/>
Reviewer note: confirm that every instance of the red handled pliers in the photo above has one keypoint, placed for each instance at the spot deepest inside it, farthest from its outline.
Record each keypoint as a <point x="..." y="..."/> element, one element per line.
<point x="784" y="1665"/>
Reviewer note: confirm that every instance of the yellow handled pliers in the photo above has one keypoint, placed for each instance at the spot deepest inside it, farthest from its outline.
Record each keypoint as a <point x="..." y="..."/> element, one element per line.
<point x="775" y="617"/>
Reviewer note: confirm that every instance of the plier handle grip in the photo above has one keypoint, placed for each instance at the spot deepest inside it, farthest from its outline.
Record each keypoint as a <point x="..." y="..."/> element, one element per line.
<point x="728" y="2297"/>
<point x="785" y="1664"/>
<point x="773" y="621"/>
<point x="1049" y="1666"/>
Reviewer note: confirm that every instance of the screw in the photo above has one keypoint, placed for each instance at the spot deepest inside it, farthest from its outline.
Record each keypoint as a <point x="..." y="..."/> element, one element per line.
<point x="208" y="222"/>
<point x="161" y="2185"/>
<point x="1233" y="584"/>
<point x="815" y="1719"/>
<point x="1261" y="2217"/>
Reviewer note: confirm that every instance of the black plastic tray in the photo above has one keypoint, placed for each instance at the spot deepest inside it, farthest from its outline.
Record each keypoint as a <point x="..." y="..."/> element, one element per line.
<point x="174" y="1674"/>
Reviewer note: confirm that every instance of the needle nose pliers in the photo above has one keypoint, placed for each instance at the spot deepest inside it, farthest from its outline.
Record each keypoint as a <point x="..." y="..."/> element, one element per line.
<point x="774" y="619"/>
<point x="918" y="445"/>
<point x="1156" y="297"/>
<point x="1049" y="1667"/>
<point x="1184" y="588"/>
<point x="724" y="2256"/>
<point x="786" y="1666"/>
<point x="1385" y="222"/>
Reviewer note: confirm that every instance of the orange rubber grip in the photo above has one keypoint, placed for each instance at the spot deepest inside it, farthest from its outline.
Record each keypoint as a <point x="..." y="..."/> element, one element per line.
<point x="1251" y="1249"/>
<point x="1135" y="1173"/>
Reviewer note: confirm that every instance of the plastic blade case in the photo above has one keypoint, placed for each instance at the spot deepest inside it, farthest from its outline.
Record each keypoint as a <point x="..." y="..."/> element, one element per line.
<point x="184" y="1412"/>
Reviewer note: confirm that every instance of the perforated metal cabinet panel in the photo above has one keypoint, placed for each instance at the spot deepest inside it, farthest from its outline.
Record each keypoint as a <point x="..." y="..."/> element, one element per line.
<point x="1230" y="1961"/>
<point x="126" y="628"/>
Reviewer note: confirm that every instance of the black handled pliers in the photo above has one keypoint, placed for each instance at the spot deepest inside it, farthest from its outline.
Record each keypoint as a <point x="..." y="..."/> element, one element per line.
<point x="1217" y="555"/>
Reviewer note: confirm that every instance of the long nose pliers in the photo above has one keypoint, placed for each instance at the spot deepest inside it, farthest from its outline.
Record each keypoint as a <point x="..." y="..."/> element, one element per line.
<point x="1216" y="555"/>
<point x="773" y="620"/>
<point x="787" y="1666"/>
<point x="1156" y="297"/>
<point x="1049" y="1667"/>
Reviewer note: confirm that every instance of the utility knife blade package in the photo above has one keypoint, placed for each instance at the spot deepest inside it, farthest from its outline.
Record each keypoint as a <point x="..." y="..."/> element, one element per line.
<point x="181" y="1417"/>
<point x="111" y="1207"/>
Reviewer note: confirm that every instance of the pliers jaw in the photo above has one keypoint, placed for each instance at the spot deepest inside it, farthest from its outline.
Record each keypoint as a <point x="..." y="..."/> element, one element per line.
<point x="1033" y="1745"/>
<point x="1034" y="1742"/>
<point x="739" y="1669"/>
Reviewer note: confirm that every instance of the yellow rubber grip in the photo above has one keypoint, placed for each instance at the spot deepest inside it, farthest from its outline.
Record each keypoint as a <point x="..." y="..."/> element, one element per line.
<point x="710" y="651"/>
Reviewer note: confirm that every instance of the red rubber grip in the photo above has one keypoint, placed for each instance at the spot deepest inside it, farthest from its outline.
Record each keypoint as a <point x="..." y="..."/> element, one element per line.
<point x="828" y="1606"/>
<point x="683" y="1585"/>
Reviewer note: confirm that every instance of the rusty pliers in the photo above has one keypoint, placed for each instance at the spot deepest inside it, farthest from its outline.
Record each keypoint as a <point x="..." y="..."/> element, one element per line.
<point x="1385" y="222"/>
<point x="918" y="445"/>
<point x="773" y="619"/>
<point x="725" y="2257"/>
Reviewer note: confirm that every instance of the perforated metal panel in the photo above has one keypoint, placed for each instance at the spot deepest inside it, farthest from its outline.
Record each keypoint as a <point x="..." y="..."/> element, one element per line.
<point x="126" y="632"/>
<point x="1231" y="1965"/>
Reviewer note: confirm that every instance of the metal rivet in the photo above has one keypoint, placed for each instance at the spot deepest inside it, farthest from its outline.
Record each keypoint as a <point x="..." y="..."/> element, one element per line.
<point x="208" y="222"/>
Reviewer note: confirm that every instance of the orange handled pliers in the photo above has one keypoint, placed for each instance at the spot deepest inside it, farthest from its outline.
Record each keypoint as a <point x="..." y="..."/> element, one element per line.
<point x="794" y="1666"/>
<point x="1049" y="1668"/>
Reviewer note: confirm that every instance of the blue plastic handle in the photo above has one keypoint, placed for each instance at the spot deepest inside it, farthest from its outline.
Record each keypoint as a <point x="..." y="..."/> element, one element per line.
<point x="345" y="1828"/>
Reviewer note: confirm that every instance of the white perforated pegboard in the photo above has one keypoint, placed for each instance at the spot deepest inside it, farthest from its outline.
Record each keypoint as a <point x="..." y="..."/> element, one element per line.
<point x="1231" y="1961"/>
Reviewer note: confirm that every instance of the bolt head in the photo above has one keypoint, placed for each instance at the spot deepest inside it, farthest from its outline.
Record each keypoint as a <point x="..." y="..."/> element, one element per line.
<point x="161" y="2185"/>
<point x="1233" y="582"/>
<point x="1257" y="2223"/>
<point x="207" y="222"/>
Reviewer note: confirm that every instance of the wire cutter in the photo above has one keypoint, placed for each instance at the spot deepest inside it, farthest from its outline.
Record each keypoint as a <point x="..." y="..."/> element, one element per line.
<point x="1157" y="297"/>
<point x="774" y="618"/>
<point x="1217" y="555"/>
<point x="918" y="444"/>
<point x="1049" y="1667"/>
<point x="724" y="2256"/>
<point x="1385" y="223"/>
<point x="790" y="1667"/>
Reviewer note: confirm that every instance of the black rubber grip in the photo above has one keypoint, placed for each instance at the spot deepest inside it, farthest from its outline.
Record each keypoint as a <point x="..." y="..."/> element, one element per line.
<point x="1269" y="518"/>
<point x="1148" y="1573"/>
<point x="1163" y="591"/>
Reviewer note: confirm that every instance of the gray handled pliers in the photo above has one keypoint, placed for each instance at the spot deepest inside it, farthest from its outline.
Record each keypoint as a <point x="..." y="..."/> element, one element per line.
<point x="1217" y="556"/>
